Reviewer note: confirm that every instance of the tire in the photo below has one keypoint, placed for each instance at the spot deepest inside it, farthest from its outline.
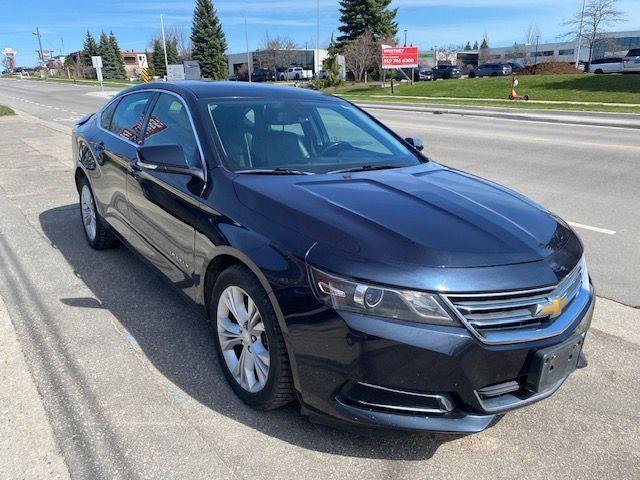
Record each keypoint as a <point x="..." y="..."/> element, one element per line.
<point x="97" y="234"/>
<point x="599" y="71"/>
<point x="276" y="388"/>
<point x="494" y="74"/>
<point x="472" y="75"/>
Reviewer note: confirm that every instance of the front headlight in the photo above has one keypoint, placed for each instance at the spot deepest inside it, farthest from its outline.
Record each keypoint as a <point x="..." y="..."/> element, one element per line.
<point x="342" y="294"/>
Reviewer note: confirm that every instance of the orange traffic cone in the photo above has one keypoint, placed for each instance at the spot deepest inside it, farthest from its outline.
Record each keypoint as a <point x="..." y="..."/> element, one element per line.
<point x="513" y="95"/>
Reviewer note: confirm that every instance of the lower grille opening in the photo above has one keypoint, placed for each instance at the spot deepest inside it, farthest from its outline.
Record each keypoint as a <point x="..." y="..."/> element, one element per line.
<point x="375" y="397"/>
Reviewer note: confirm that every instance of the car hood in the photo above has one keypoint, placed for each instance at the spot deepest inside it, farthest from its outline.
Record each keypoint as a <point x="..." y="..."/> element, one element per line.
<point x="427" y="216"/>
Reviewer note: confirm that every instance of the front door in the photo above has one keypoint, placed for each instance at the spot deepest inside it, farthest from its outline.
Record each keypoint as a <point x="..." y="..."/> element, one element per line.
<point x="163" y="206"/>
<point x="114" y="149"/>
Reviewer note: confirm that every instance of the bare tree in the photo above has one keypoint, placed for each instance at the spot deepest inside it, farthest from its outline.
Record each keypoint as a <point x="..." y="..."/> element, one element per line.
<point x="275" y="52"/>
<point x="179" y="37"/>
<point x="598" y="16"/>
<point x="360" y="54"/>
<point x="531" y="36"/>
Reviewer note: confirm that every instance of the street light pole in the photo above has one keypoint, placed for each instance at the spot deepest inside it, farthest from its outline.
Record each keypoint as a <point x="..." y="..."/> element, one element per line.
<point x="536" y="54"/>
<point x="316" y="59"/>
<point x="580" y="34"/>
<point x="246" y="39"/>
<point x="164" y="44"/>
<point x="405" y="37"/>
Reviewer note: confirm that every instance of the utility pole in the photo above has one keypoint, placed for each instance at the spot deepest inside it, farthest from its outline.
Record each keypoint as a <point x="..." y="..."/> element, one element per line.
<point x="405" y="37"/>
<point x="580" y="34"/>
<point x="537" y="42"/>
<point x="40" y="51"/>
<point x="164" y="44"/>
<point x="246" y="39"/>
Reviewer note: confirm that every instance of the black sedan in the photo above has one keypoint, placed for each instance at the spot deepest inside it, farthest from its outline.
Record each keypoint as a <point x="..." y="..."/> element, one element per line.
<point x="338" y="265"/>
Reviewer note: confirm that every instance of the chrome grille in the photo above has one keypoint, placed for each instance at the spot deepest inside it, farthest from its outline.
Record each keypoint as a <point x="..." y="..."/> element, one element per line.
<point x="487" y="314"/>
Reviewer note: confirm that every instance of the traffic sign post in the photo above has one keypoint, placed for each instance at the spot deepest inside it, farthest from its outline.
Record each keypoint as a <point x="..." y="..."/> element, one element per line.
<point x="96" y="62"/>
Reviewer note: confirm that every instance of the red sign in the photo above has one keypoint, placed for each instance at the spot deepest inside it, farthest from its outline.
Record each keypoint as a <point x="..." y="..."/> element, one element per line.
<point x="399" y="57"/>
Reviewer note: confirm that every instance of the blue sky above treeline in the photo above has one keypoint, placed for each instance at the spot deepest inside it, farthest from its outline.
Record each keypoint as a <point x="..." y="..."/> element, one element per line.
<point x="429" y="23"/>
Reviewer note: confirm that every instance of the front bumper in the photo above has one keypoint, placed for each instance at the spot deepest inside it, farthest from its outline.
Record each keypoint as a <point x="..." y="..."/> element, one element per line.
<point x="371" y="372"/>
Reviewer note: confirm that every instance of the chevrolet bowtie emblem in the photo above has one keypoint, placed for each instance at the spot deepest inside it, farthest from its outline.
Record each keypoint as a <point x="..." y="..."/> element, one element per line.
<point x="553" y="308"/>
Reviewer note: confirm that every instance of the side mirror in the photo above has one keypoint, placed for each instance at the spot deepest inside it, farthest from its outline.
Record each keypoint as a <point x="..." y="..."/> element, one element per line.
<point x="415" y="143"/>
<point x="166" y="159"/>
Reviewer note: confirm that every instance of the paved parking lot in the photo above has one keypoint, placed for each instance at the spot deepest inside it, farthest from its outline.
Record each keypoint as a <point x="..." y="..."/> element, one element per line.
<point x="128" y="379"/>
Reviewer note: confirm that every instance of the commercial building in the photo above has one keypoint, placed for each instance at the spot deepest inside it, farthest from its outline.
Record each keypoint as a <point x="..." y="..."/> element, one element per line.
<point x="614" y="44"/>
<point x="308" y="59"/>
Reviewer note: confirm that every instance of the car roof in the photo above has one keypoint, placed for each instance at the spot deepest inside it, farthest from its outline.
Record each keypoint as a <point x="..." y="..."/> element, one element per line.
<point x="206" y="89"/>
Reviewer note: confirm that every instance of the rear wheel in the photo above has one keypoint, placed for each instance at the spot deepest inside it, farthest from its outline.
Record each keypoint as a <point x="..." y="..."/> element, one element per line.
<point x="249" y="343"/>
<point x="599" y="70"/>
<point x="98" y="236"/>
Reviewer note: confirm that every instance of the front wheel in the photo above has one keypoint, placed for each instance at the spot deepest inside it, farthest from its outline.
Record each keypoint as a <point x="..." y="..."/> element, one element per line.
<point x="249" y="342"/>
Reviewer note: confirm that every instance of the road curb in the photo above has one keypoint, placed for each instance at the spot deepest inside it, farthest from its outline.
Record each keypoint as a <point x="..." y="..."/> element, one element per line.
<point x="567" y="117"/>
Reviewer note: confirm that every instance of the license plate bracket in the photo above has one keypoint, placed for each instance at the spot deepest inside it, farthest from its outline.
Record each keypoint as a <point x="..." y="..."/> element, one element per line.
<point x="551" y="365"/>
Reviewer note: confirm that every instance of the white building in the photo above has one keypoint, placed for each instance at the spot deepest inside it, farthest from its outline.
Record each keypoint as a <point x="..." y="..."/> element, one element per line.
<point x="615" y="44"/>
<point x="309" y="59"/>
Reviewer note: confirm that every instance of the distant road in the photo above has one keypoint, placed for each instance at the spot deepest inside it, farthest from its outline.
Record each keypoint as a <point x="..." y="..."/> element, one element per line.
<point x="588" y="175"/>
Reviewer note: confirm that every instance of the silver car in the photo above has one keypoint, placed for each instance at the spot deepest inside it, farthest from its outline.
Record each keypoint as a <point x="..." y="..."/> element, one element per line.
<point x="631" y="61"/>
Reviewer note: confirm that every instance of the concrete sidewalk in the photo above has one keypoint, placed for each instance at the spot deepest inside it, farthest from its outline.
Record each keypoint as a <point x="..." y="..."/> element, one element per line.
<point x="28" y="448"/>
<point x="571" y="117"/>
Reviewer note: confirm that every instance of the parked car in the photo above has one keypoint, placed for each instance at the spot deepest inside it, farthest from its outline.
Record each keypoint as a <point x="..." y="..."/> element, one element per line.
<point x="631" y="61"/>
<point x="515" y="66"/>
<point x="606" y="65"/>
<point x="446" y="72"/>
<point x="321" y="74"/>
<point x="262" y="75"/>
<point x="424" y="74"/>
<point x="295" y="73"/>
<point x="338" y="265"/>
<point x="233" y="78"/>
<point x="491" y="70"/>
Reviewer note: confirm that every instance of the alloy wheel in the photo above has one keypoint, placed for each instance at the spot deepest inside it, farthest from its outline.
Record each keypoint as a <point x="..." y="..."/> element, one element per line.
<point x="242" y="338"/>
<point x="88" y="212"/>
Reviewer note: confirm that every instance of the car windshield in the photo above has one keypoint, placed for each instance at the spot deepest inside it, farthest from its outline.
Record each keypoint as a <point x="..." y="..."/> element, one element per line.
<point x="297" y="136"/>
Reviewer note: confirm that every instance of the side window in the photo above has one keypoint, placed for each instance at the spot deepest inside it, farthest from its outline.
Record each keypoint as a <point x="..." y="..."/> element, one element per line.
<point x="169" y="124"/>
<point x="129" y="114"/>
<point x="107" y="115"/>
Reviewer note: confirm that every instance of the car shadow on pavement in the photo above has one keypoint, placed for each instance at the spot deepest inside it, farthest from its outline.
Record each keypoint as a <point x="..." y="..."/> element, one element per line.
<point x="178" y="341"/>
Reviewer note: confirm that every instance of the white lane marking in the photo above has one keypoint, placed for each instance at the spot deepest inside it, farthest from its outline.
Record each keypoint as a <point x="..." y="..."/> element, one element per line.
<point x="593" y="229"/>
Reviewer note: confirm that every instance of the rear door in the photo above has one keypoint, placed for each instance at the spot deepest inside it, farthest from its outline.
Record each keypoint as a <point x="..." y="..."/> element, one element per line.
<point x="120" y="125"/>
<point x="163" y="206"/>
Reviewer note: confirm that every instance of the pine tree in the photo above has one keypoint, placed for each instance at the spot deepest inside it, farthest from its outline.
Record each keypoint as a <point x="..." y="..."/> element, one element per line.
<point x="209" y="42"/>
<point x="467" y="46"/>
<point x="157" y="59"/>
<point x="150" y="67"/>
<point x="357" y="16"/>
<point x="121" y="72"/>
<point x="485" y="44"/>
<point x="475" y="45"/>
<point x="110" y="60"/>
<point x="89" y="49"/>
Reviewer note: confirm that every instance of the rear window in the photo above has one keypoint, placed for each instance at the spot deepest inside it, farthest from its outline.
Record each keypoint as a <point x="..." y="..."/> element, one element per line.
<point x="634" y="52"/>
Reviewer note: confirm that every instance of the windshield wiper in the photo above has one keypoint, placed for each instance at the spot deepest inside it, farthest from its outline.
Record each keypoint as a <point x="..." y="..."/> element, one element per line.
<point x="274" y="171"/>
<point x="364" y="168"/>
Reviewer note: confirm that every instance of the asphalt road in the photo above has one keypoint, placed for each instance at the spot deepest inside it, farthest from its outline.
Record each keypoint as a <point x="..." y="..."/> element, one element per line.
<point x="128" y="377"/>
<point x="588" y="175"/>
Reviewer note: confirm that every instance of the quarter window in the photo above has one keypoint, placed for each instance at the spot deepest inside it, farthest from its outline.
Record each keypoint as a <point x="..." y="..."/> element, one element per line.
<point x="169" y="124"/>
<point x="107" y="115"/>
<point x="129" y="115"/>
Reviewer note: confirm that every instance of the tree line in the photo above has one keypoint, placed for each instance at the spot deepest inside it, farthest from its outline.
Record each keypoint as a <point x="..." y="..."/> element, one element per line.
<point x="207" y="44"/>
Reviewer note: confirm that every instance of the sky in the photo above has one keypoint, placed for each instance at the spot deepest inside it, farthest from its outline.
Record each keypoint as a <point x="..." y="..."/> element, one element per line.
<point x="429" y="23"/>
